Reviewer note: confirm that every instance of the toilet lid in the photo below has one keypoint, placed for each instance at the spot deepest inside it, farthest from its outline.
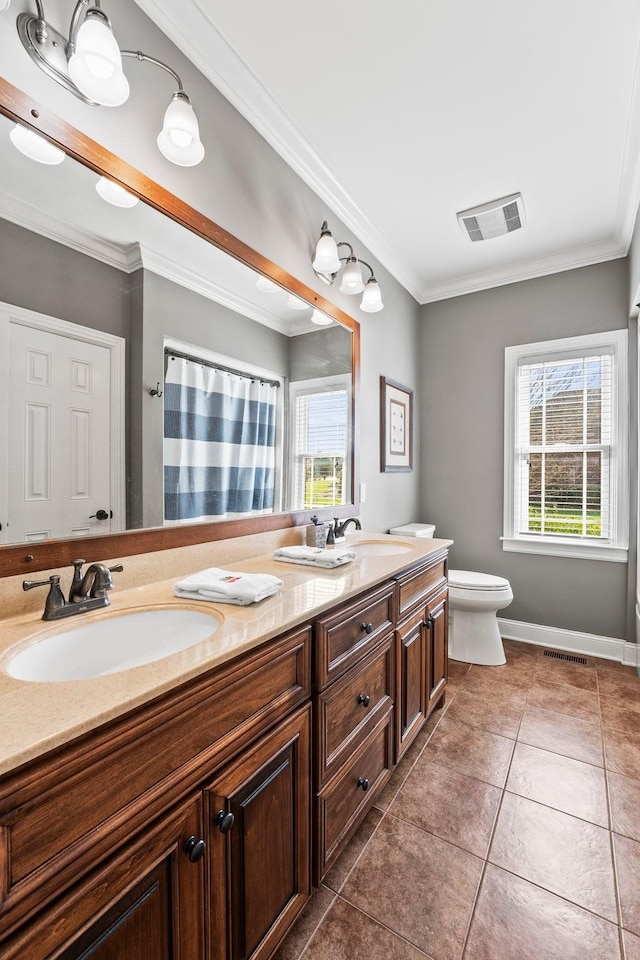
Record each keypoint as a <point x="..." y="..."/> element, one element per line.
<point x="469" y="580"/>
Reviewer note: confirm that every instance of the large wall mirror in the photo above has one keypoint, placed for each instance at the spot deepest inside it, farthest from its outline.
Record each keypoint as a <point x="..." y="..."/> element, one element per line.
<point x="160" y="382"/>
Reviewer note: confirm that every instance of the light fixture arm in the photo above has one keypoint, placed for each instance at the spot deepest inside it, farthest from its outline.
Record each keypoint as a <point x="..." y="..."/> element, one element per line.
<point x="76" y="18"/>
<point x="143" y="57"/>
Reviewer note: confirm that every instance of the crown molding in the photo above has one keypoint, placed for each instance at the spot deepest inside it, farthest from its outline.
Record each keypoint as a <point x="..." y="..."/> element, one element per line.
<point x="558" y="263"/>
<point x="24" y="214"/>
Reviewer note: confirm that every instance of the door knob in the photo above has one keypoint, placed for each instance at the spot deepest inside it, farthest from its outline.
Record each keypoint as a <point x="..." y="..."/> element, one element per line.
<point x="223" y="821"/>
<point x="99" y="515"/>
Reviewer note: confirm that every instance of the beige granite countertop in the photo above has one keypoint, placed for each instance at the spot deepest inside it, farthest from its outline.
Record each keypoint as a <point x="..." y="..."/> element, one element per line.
<point x="36" y="717"/>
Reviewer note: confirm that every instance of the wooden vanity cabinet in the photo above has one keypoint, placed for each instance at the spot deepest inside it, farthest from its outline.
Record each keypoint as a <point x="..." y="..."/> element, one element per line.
<point x="353" y="718"/>
<point x="108" y="847"/>
<point x="421" y="648"/>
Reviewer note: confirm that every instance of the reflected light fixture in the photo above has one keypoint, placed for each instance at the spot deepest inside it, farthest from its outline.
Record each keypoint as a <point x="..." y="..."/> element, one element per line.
<point x="267" y="286"/>
<point x="295" y="303"/>
<point x="32" y="145"/>
<point x="89" y="65"/>
<point x="4" y="5"/>
<point x="327" y="263"/>
<point x="115" y="194"/>
<point x="321" y="319"/>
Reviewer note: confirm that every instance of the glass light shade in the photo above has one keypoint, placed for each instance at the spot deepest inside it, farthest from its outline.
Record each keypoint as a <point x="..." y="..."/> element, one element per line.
<point x="352" y="281"/>
<point x="96" y="64"/>
<point x="371" y="298"/>
<point x="4" y="5"/>
<point x="296" y="303"/>
<point x="35" y="146"/>
<point x="115" y="194"/>
<point x="320" y="318"/>
<point x="326" y="259"/>
<point x="267" y="286"/>
<point x="179" y="140"/>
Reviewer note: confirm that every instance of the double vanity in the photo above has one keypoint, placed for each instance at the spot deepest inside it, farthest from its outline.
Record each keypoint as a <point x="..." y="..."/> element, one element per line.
<point x="185" y="807"/>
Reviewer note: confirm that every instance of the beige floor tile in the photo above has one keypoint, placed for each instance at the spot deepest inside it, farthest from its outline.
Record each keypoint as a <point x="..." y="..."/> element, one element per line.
<point x="627" y="855"/>
<point x="562" y="734"/>
<point x="425" y="800"/>
<point x="348" y="934"/>
<point x="563" y="698"/>
<point x="339" y="872"/>
<point x="624" y="797"/>
<point x="569" y="785"/>
<point x="469" y="750"/>
<point x="621" y="714"/>
<point x="622" y="752"/>
<point x="419" y="886"/>
<point x="515" y="920"/>
<point x="487" y="713"/>
<point x="303" y="929"/>
<point x="578" y="675"/>
<point x="565" y="855"/>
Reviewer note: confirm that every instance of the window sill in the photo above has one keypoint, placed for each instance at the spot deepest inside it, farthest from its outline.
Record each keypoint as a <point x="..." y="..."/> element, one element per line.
<point x="566" y="548"/>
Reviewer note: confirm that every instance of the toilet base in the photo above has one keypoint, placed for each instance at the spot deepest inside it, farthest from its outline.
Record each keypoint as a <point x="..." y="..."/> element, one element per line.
<point x="474" y="637"/>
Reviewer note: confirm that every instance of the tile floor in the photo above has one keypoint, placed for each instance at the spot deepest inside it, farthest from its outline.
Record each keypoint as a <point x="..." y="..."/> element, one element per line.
<point x="510" y="831"/>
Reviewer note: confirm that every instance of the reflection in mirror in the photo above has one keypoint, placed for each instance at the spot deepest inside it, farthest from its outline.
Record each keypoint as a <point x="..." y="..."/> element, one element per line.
<point x="100" y="429"/>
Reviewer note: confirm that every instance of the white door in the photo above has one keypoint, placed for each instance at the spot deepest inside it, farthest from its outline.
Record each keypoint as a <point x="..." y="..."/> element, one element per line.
<point x="58" y="479"/>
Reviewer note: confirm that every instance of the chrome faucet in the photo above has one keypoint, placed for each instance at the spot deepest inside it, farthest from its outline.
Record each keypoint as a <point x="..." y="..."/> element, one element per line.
<point x="340" y="529"/>
<point x="87" y="592"/>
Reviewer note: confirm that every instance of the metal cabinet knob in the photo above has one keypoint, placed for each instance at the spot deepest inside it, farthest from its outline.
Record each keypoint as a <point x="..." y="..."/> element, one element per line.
<point x="223" y="821"/>
<point x="363" y="783"/>
<point x="367" y="627"/>
<point x="195" y="849"/>
<point x="364" y="699"/>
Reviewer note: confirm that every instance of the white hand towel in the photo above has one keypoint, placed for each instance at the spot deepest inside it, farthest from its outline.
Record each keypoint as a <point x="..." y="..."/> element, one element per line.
<point x="315" y="557"/>
<point x="227" y="586"/>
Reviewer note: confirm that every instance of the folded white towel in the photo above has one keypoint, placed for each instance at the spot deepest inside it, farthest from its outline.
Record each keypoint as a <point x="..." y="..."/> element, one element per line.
<point x="315" y="557"/>
<point x="227" y="586"/>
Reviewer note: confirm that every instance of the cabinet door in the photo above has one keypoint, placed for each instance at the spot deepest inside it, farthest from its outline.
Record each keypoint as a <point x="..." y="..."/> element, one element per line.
<point x="437" y="632"/>
<point x="146" y="903"/>
<point x="411" y="672"/>
<point x="258" y="813"/>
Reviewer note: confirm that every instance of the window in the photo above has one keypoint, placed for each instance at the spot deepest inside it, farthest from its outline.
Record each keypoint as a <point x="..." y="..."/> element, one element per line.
<point x="320" y="442"/>
<point x="566" y="484"/>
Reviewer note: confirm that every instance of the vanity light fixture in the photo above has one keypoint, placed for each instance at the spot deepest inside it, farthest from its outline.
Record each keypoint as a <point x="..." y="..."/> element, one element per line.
<point x="4" y="5"/>
<point x="327" y="263"/>
<point x="34" y="146"/>
<point x="89" y="65"/>
<point x="115" y="194"/>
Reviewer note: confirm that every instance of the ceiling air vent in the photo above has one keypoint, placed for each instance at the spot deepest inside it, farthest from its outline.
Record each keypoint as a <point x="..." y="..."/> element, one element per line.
<point x="493" y="219"/>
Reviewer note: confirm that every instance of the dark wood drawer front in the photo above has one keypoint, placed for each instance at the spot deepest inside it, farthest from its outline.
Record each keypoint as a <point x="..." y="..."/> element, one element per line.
<point x="343" y="638"/>
<point x="414" y="587"/>
<point x="75" y="807"/>
<point x="347" y="709"/>
<point x="343" y="802"/>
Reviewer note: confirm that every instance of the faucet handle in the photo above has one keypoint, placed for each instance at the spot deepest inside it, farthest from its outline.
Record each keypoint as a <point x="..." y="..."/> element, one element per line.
<point x="51" y="582"/>
<point x="117" y="568"/>
<point x="55" y="598"/>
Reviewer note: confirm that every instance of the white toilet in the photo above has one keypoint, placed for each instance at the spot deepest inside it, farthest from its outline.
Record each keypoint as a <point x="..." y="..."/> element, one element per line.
<point x="474" y="601"/>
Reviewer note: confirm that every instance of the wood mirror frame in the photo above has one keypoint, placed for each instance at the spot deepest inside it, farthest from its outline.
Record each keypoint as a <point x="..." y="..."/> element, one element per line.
<point x="24" y="558"/>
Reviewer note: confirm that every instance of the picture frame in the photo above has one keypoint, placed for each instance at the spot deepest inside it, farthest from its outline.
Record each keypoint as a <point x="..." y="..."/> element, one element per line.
<point x="396" y="427"/>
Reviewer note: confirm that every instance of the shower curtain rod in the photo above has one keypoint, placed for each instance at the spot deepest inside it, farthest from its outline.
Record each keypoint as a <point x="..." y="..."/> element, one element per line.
<point x="170" y="352"/>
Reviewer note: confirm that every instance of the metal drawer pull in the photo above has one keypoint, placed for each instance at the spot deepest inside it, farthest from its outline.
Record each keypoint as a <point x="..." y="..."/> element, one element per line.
<point x="364" y="699"/>
<point x="367" y="627"/>
<point x="223" y="821"/>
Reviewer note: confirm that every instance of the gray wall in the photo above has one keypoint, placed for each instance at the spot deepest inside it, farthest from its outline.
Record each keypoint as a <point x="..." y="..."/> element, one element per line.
<point x="39" y="274"/>
<point x="325" y="352"/>
<point x="462" y="349"/>
<point x="248" y="189"/>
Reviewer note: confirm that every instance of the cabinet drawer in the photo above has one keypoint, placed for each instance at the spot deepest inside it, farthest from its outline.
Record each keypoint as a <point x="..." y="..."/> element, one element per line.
<point x="63" y="814"/>
<point x="346" y="710"/>
<point x="416" y="586"/>
<point x="343" y="637"/>
<point x="341" y="804"/>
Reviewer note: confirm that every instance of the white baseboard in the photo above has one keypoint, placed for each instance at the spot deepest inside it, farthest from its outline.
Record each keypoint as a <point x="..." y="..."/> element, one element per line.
<point x="609" y="648"/>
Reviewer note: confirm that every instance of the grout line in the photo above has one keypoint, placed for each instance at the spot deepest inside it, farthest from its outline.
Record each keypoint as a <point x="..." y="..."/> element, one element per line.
<point x="380" y="923"/>
<point x="318" y="924"/>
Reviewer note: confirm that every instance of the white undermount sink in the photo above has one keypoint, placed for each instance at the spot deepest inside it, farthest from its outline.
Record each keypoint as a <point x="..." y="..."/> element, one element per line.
<point x="379" y="548"/>
<point x="117" y="642"/>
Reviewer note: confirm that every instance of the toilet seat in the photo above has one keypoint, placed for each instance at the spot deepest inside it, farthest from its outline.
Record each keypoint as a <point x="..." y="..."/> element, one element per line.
<point x="470" y="580"/>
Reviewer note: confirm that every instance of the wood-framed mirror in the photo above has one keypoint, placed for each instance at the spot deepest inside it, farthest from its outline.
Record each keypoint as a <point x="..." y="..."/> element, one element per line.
<point x="336" y="346"/>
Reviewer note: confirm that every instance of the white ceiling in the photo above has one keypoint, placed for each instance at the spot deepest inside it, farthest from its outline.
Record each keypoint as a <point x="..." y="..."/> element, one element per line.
<point x="400" y="115"/>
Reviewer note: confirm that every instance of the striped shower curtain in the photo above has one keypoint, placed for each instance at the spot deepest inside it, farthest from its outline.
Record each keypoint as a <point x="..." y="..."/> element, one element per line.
<point x="219" y="443"/>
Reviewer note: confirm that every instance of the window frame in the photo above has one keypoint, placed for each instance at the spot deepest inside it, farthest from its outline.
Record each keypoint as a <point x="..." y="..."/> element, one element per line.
<point x="615" y="547"/>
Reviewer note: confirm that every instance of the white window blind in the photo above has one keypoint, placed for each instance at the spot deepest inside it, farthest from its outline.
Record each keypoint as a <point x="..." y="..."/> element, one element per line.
<point x="565" y="453"/>
<point x="320" y="445"/>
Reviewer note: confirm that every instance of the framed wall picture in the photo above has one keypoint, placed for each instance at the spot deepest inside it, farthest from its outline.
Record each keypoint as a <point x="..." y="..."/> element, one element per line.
<point x="396" y="427"/>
